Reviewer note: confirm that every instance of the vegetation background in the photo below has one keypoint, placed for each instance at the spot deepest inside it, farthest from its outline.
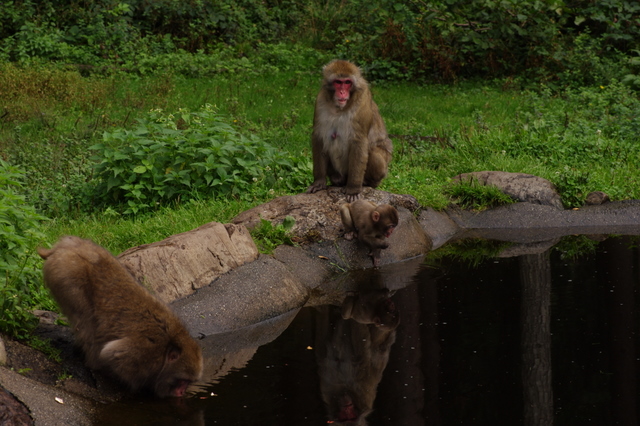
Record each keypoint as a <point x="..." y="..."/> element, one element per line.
<point x="129" y="121"/>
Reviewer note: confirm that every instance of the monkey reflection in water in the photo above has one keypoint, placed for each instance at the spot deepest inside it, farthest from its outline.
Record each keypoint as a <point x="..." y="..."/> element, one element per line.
<point x="353" y="345"/>
<point x="118" y="324"/>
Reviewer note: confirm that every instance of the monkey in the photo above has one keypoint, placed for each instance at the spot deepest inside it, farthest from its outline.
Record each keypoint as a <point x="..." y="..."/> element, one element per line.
<point x="349" y="141"/>
<point x="371" y="307"/>
<point x="371" y="224"/>
<point x="118" y="324"/>
<point x="353" y="348"/>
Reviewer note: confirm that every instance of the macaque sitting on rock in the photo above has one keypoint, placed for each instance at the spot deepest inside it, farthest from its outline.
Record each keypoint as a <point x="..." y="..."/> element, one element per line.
<point x="349" y="142"/>
<point x="371" y="224"/>
<point x="118" y="324"/>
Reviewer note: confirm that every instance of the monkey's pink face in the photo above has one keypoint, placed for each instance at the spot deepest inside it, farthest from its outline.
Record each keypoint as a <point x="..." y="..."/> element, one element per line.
<point x="342" y="91"/>
<point x="389" y="230"/>
<point x="179" y="388"/>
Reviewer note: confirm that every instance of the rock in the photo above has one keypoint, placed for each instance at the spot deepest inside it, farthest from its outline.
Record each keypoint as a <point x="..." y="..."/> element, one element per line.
<point x="316" y="215"/>
<point x="596" y="198"/>
<point x="318" y="220"/>
<point x="249" y="294"/>
<point x="520" y="186"/>
<point x="517" y="250"/>
<point x="309" y="268"/>
<point x="179" y="265"/>
<point x="438" y="226"/>
<point x="49" y="405"/>
<point x="3" y="353"/>
<point x="407" y="241"/>
<point x="12" y="411"/>
<point x="45" y="317"/>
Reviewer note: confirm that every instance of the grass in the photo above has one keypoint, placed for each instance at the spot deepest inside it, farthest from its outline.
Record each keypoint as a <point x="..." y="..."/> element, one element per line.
<point x="118" y="233"/>
<point x="582" y="140"/>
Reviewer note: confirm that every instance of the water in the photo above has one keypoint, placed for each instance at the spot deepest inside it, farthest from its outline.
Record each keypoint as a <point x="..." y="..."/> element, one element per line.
<point x="526" y="340"/>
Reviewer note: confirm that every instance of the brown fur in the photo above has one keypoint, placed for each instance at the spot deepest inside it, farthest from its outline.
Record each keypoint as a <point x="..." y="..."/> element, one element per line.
<point x="350" y="143"/>
<point x="118" y="324"/>
<point x="353" y="346"/>
<point x="373" y="307"/>
<point x="371" y="224"/>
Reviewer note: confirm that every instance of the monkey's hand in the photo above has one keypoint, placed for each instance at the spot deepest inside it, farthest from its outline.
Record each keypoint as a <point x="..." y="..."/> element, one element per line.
<point x="375" y="257"/>
<point x="352" y="194"/>
<point x="350" y="235"/>
<point x="317" y="186"/>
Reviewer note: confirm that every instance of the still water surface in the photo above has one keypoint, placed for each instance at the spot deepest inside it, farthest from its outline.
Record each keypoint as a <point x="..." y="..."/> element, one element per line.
<point x="535" y="339"/>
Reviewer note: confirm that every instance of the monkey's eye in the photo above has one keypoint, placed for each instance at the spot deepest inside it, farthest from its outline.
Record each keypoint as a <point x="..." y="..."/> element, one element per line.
<point x="342" y="84"/>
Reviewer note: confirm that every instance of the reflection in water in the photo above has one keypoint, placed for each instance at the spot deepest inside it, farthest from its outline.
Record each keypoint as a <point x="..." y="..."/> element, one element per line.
<point x="527" y="340"/>
<point x="620" y="268"/>
<point x="535" y="279"/>
<point x="352" y="350"/>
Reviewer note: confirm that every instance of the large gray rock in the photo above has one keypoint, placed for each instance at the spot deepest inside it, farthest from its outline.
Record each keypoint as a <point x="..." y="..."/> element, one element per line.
<point x="48" y="405"/>
<point x="317" y="215"/>
<point x="520" y="186"/>
<point x="318" y="220"/>
<point x="438" y="226"/>
<point x="249" y="294"/>
<point x="179" y="265"/>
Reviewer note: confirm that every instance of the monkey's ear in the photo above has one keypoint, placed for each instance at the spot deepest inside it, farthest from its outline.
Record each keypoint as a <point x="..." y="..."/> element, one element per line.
<point x="115" y="349"/>
<point x="375" y="216"/>
<point x="173" y="354"/>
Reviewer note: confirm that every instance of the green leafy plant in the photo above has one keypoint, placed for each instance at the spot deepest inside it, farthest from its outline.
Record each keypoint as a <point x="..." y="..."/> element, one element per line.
<point x="176" y="157"/>
<point x="268" y="237"/>
<point x="44" y="346"/>
<point x="20" y="284"/>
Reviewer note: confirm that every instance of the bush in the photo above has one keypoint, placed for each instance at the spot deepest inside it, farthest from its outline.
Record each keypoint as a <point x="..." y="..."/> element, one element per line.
<point x="176" y="157"/>
<point x="20" y="284"/>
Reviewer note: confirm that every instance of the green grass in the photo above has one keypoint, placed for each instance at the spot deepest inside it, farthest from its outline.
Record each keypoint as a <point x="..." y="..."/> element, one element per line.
<point x="582" y="140"/>
<point x="118" y="233"/>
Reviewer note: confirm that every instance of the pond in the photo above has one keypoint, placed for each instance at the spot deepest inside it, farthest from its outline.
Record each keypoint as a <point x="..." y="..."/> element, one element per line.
<point x="533" y="339"/>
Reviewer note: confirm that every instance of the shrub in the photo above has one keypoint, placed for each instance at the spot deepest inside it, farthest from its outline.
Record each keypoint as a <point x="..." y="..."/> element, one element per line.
<point x="20" y="284"/>
<point x="175" y="157"/>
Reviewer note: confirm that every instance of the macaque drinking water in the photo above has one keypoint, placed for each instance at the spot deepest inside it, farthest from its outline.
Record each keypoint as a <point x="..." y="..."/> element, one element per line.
<point x="117" y="323"/>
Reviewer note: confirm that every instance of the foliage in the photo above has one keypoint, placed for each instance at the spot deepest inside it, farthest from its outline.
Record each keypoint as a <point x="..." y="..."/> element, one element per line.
<point x="581" y="138"/>
<point x="20" y="287"/>
<point x="446" y="41"/>
<point x="470" y="251"/>
<point x="457" y="38"/>
<point x="58" y="173"/>
<point x="173" y="157"/>
<point x="267" y="236"/>
<point x="572" y="247"/>
<point x="115" y="29"/>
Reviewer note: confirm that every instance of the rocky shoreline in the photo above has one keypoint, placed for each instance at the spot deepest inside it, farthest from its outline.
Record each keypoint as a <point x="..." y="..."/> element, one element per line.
<point x="234" y="299"/>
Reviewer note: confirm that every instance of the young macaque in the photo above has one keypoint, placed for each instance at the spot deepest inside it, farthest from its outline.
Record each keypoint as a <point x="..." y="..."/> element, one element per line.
<point x="118" y="324"/>
<point x="371" y="224"/>
<point x="349" y="142"/>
